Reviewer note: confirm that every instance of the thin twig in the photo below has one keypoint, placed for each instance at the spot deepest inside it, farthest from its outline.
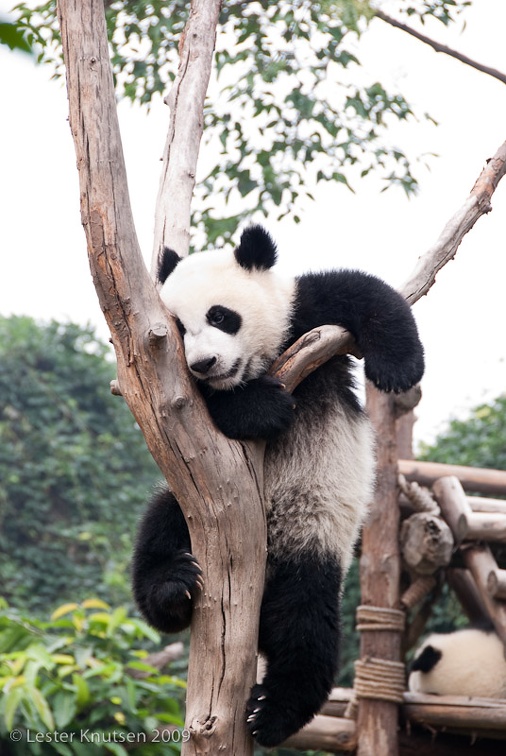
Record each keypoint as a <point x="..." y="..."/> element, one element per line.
<point x="441" y="48"/>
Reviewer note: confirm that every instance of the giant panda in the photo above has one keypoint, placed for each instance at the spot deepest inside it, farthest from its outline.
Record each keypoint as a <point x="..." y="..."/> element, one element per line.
<point x="236" y="314"/>
<point x="467" y="662"/>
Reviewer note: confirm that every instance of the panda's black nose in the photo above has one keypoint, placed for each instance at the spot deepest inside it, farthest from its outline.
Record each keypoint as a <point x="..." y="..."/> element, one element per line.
<point x="203" y="366"/>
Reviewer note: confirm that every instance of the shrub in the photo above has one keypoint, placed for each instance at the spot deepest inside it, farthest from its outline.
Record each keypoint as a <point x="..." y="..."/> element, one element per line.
<point x="81" y="685"/>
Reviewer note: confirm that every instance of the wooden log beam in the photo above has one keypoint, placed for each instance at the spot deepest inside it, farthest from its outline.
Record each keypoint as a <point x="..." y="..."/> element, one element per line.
<point x="496" y="583"/>
<point x="426" y="741"/>
<point x="481" y="504"/>
<point x="472" y="714"/>
<point x="464" y="586"/>
<point x="484" y="526"/>
<point x="479" y="480"/>
<point x="453" y="504"/>
<point x="326" y="734"/>
<point x="476" y="717"/>
<point x="426" y="542"/>
<point x="480" y="562"/>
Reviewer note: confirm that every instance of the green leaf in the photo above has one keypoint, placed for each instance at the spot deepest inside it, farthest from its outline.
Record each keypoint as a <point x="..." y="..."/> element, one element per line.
<point x="115" y="748"/>
<point x="12" y="699"/>
<point x="64" y="708"/>
<point x="82" y="691"/>
<point x="42" y="707"/>
<point x="14" y="37"/>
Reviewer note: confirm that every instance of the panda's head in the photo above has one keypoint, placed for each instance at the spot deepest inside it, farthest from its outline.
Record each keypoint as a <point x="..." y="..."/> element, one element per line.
<point x="232" y="308"/>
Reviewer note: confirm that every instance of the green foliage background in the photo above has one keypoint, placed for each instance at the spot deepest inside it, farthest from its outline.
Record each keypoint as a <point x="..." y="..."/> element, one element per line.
<point x="74" y="469"/>
<point x="478" y="440"/>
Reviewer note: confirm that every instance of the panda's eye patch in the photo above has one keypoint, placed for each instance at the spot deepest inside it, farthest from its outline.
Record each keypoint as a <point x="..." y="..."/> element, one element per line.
<point x="224" y="319"/>
<point x="180" y="327"/>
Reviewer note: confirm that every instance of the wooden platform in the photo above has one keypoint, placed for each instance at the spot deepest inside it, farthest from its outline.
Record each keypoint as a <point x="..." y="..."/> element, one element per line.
<point x="435" y="725"/>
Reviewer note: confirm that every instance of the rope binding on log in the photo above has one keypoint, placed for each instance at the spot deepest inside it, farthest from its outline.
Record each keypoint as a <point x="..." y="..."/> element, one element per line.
<point x="419" y="497"/>
<point x="371" y="618"/>
<point x="380" y="679"/>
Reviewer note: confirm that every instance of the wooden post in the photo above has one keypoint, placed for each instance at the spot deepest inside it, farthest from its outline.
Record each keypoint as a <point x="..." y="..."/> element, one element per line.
<point x="379" y="578"/>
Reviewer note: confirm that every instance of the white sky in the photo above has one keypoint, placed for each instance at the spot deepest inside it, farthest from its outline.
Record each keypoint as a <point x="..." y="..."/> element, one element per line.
<point x="43" y="263"/>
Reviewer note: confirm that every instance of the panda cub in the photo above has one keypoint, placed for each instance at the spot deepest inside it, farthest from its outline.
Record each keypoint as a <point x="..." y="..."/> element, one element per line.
<point x="468" y="662"/>
<point x="236" y="314"/>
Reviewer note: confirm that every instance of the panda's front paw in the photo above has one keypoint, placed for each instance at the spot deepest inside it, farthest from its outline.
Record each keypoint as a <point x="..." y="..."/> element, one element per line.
<point x="168" y="602"/>
<point x="276" y="408"/>
<point x="270" y="721"/>
<point x="259" y="409"/>
<point x="398" y="377"/>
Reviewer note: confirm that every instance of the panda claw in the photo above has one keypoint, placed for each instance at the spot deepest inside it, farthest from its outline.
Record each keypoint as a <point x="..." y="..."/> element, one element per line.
<point x="188" y="595"/>
<point x="190" y="556"/>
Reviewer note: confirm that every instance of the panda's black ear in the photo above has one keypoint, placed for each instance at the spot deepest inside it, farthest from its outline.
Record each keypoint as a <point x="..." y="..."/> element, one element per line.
<point x="256" y="249"/>
<point x="427" y="660"/>
<point x="167" y="261"/>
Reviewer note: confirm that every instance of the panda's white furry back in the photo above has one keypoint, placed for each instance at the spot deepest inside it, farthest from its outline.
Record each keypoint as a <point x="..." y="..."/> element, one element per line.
<point x="468" y="662"/>
<point x="236" y="314"/>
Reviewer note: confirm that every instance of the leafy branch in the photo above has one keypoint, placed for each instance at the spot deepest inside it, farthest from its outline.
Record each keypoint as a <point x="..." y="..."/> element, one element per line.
<point x="285" y="112"/>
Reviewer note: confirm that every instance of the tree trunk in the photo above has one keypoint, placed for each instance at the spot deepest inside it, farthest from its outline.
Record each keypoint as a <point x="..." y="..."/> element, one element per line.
<point x="218" y="481"/>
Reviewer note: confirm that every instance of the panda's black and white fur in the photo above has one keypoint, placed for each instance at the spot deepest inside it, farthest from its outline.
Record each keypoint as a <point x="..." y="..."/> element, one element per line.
<point x="236" y="314"/>
<point x="468" y="662"/>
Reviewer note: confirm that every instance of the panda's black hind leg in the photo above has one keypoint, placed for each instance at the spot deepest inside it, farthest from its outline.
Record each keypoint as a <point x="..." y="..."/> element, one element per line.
<point x="299" y="636"/>
<point x="165" y="575"/>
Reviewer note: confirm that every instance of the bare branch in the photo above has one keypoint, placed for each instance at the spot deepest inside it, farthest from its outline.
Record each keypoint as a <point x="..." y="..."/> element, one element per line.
<point x="441" y="48"/>
<point x="186" y="102"/>
<point x="445" y="249"/>
<point x="311" y="351"/>
<point x="317" y="346"/>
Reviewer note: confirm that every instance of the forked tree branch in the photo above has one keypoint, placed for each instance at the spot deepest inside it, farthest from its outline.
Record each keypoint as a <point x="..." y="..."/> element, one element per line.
<point x="441" y="48"/>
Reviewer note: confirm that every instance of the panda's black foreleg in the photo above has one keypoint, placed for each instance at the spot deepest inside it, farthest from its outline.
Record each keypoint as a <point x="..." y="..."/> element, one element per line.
<point x="165" y="575"/>
<point x="299" y="636"/>
<point x="261" y="408"/>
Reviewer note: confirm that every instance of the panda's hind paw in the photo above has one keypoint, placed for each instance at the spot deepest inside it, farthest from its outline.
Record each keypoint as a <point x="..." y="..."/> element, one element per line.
<point x="169" y="602"/>
<point x="268" y="720"/>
